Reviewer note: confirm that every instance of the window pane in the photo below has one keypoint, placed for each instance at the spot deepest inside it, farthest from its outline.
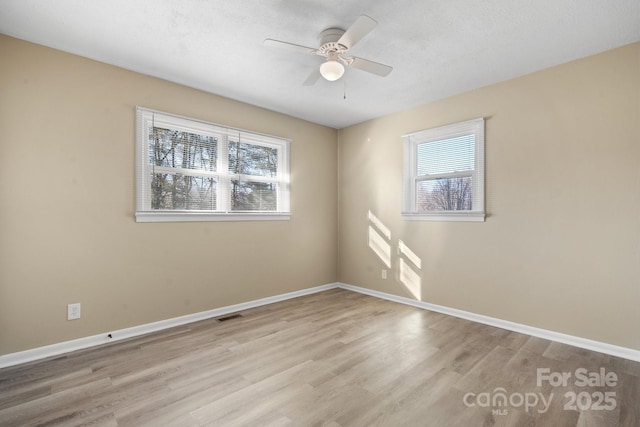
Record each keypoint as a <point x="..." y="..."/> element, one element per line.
<point x="450" y="194"/>
<point x="253" y="196"/>
<point x="191" y="170"/>
<point x="182" y="192"/>
<point x="177" y="149"/>
<point x="446" y="156"/>
<point x="250" y="159"/>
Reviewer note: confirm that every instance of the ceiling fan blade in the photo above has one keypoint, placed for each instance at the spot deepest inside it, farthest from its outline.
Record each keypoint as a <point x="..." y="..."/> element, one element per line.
<point x="363" y="26"/>
<point x="313" y="77"/>
<point x="370" y="66"/>
<point x="289" y="46"/>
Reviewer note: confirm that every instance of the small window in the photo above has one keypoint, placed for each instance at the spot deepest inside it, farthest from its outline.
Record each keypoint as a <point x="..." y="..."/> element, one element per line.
<point x="189" y="170"/>
<point x="444" y="173"/>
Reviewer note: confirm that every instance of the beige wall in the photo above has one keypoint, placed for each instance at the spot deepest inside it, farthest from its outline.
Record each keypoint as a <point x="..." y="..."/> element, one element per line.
<point x="560" y="248"/>
<point x="67" y="229"/>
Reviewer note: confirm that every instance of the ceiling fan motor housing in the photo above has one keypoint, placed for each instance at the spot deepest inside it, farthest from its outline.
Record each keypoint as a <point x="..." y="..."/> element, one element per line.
<point x="329" y="41"/>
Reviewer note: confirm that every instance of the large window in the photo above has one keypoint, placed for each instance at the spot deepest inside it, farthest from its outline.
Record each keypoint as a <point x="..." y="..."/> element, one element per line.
<point x="189" y="170"/>
<point x="444" y="173"/>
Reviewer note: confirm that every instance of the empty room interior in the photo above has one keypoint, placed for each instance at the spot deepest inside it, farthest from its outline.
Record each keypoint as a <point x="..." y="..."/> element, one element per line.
<point x="339" y="213"/>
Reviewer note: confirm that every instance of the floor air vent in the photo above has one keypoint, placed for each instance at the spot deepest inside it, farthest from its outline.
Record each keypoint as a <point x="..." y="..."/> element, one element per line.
<point x="229" y="317"/>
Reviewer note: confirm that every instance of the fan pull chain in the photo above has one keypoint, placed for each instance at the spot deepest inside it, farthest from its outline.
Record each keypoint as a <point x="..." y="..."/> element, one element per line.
<point x="344" y="82"/>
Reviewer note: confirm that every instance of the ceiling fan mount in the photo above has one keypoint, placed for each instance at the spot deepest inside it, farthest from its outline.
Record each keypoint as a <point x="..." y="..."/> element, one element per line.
<point x="334" y="44"/>
<point x="329" y="40"/>
<point x="331" y="49"/>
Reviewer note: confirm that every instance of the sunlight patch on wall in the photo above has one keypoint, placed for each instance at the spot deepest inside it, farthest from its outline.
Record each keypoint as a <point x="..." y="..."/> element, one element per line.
<point x="380" y="246"/>
<point x="409" y="266"/>
<point x="379" y="225"/>
<point x="411" y="256"/>
<point x="410" y="279"/>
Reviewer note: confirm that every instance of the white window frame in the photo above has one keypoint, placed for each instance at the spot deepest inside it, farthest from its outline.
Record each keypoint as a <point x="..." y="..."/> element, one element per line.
<point x="411" y="179"/>
<point x="146" y="119"/>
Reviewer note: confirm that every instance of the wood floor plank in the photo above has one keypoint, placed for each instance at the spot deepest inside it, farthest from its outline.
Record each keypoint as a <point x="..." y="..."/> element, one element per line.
<point x="336" y="358"/>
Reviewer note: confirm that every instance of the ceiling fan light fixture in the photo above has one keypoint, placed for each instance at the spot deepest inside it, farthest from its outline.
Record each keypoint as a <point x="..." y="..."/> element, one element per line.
<point x="332" y="70"/>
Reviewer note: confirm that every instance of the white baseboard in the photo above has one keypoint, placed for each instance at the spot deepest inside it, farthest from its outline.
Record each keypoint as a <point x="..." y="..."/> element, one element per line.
<point x="95" y="340"/>
<point x="613" y="350"/>
<point x="12" y="359"/>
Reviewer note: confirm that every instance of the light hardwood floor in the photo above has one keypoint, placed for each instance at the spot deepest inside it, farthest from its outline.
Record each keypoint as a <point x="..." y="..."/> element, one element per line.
<point x="336" y="358"/>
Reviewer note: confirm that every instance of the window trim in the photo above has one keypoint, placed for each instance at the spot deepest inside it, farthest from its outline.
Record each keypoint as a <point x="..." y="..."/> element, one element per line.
<point x="410" y="177"/>
<point x="146" y="117"/>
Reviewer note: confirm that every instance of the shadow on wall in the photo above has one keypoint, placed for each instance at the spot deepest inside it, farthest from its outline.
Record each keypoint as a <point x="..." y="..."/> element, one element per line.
<point x="409" y="264"/>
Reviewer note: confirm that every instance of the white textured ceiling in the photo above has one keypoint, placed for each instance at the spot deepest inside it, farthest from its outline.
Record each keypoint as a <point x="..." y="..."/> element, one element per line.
<point x="438" y="48"/>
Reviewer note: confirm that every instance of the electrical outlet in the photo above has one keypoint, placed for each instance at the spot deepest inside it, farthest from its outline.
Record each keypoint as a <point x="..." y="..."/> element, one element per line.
<point x="384" y="274"/>
<point x="73" y="311"/>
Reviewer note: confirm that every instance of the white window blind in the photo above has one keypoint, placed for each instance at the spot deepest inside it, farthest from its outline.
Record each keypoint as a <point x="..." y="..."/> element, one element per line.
<point x="189" y="170"/>
<point x="444" y="173"/>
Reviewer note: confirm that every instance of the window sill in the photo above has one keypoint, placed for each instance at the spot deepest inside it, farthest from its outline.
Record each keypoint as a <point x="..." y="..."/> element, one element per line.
<point x="207" y="216"/>
<point x="445" y="216"/>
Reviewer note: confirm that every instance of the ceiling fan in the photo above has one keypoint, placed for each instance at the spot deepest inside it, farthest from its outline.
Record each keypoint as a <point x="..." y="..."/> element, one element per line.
<point x="334" y="44"/>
